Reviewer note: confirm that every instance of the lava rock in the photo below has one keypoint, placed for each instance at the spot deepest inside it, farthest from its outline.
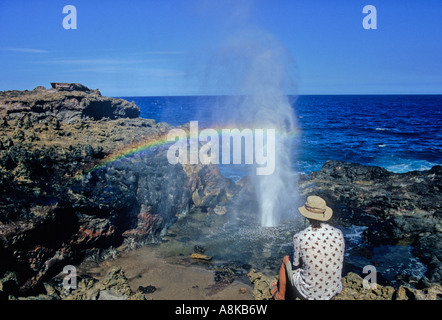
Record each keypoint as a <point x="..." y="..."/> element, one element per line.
<point x="68" y="196"/>
<point x="66" y="102"/>
<point x="147" y="289"/>
<point x="199" y="249"/>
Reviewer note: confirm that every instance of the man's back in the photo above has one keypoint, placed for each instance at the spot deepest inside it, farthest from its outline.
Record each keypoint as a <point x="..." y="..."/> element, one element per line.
<point x="319" y="254"/>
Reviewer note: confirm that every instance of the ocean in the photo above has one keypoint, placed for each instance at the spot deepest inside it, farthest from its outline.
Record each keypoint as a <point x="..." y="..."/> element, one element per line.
<point x="398" y="132"/>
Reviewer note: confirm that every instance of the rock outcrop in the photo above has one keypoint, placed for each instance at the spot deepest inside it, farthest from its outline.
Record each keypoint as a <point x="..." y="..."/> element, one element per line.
<point x="65" y="102"/>
<point x="352" y="289"/>
<point x="69" y="190"/>
<point x="114" y="286"/>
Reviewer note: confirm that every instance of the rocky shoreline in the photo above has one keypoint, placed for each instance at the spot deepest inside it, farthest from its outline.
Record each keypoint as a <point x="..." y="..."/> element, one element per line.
<point x="353" y="289"/>
<point x="59" y="205"/>
<point x="55" y="211"/>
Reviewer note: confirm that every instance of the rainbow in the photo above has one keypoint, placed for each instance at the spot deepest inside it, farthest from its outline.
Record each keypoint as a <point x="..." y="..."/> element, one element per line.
<point x="155" y="142"/>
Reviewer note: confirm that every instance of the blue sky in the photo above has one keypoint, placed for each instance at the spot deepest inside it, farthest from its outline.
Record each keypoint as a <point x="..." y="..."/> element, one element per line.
<point x="193" y="47"/>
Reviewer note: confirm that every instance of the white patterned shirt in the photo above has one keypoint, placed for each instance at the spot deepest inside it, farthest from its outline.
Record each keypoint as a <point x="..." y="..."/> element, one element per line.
<point x="319" y="254"/>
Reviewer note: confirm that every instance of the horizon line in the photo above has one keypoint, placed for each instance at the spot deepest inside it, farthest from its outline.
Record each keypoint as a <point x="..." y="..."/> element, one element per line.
<point x="232" y="95"/>
<point x="289" y="95"/>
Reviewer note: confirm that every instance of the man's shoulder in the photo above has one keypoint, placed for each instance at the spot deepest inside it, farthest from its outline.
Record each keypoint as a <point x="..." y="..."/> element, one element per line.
<point x="302" y="233"/>
<point x="324" y="227"/>
<point x="336" y="233"/>
<point x="334" y="229"/>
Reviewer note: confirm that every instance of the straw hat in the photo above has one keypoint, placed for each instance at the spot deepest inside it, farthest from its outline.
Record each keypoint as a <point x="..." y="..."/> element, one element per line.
<point x="316" y="208"/>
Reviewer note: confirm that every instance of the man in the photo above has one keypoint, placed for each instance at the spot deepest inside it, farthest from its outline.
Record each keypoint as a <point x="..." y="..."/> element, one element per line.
<point x="318" y="257"/>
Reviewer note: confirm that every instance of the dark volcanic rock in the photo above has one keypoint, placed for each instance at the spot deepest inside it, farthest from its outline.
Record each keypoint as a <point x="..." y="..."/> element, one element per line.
<point x="57" y="208"/>
<point x="66" y="102"/>
<point x="147" y="289"/>
<point x="63" y="86"/>
<point x="404" y="208"/>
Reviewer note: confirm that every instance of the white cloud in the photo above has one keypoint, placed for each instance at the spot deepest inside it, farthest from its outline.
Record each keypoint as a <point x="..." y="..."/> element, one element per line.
<point x="26" y="50"/>
<point x="98" y="61"/>
<point x="146" y="67"/>
<point x="163" y="52"/>
<point x="145" y="71"/>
